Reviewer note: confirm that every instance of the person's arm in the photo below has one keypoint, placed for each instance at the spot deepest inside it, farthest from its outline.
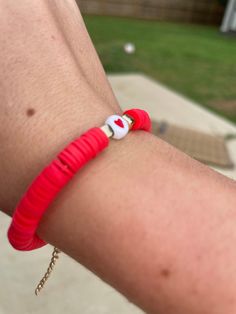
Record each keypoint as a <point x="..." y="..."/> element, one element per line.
<point x="152" y="222"/>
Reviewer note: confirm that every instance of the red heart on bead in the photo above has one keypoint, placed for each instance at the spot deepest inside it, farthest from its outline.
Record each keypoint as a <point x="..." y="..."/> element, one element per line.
<point x="119" y="122"/>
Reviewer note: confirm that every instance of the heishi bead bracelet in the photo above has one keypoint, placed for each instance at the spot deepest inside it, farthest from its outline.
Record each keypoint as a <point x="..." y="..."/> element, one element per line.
<point x="22" y="233"/>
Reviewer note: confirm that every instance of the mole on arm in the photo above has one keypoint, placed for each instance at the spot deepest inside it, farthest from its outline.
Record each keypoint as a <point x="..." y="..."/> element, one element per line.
<point x="30" y="112"/>
<point x="165" y="273"/>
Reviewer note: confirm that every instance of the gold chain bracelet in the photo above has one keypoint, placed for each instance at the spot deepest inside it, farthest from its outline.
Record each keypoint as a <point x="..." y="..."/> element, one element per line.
<point x="55" y="256"/>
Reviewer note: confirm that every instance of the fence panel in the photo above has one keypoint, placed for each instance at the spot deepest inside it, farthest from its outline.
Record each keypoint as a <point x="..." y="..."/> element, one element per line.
<point x="193" y="11"/>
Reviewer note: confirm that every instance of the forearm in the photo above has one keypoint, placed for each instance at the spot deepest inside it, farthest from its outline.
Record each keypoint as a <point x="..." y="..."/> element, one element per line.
<point x="162" y="232"/>
<point x="52" y="88"/>
<point x="155" y="224"/>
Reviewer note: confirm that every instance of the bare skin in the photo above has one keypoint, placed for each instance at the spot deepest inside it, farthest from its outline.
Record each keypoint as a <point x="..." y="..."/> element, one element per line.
<point x="155" y="224"/>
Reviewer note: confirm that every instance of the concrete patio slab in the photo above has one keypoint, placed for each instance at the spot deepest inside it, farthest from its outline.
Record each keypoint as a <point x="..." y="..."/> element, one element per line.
<point x="72" y="289"/>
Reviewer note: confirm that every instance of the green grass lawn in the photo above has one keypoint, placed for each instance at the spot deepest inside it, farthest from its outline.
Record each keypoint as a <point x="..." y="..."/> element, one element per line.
<point x="196" y="61"/>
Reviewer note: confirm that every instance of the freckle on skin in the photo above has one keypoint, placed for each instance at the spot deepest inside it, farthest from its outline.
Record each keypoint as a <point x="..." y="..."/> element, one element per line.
<point x="30" y="112"/>
<point x="165" y="273"/>
<point x="53" y="37"/>
<point x="194" y="291"/>
<point x="199" y="257"/>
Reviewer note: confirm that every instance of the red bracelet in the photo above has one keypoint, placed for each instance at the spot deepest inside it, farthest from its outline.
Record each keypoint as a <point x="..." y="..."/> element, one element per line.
<point x="44" y="189"/>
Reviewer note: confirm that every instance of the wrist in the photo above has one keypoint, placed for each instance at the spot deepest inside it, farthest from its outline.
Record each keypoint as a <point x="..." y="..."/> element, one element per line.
<point x="27" y="151"/>
<point x="47" y="98"/>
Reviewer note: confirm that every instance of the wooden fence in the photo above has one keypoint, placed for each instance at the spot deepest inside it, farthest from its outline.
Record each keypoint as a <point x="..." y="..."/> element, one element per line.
<point x="191" y="11"/>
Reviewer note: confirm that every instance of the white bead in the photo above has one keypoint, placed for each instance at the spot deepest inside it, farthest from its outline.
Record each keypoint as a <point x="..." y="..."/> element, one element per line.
<point x="119" y="126"/>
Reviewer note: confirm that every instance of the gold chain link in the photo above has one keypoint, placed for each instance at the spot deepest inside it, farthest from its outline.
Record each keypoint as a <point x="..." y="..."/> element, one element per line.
<point x="55" y="256"/>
